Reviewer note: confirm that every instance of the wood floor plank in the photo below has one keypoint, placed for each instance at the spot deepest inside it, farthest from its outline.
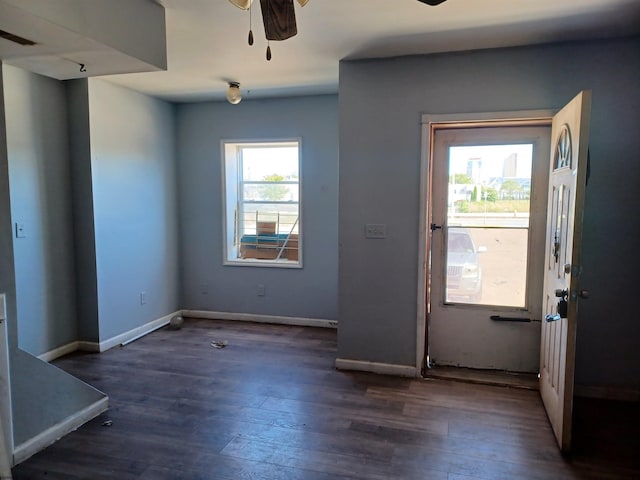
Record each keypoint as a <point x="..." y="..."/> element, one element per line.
<point x="291" y="457"/>
<point x="375" y="415"/>
<point x="345" y="442"/>
<point x="220" y="467"/>
<point x="468" y="461"/>
<point x="271" y="406"/>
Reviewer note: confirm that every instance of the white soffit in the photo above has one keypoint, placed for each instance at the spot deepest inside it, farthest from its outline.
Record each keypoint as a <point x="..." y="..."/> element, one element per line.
<point x="60" y="48"/>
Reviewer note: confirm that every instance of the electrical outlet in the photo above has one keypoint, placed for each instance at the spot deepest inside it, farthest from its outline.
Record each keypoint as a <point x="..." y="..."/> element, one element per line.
<point x="261" y="291"/>
<point x="204" y="289"/>
<point x="143" y="298"/>
<point x="375" y="230"/>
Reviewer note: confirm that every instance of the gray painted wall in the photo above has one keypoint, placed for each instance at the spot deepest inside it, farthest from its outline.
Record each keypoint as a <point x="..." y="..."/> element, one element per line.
<point x="7" y="273"/>
<point x="135" y="207"/>
<point x="308" y="292"/>
<point x="36" y="116"/>
<point x="137" y="217"/>
<point x="381" y="102"/>
<point x="82" y="200"/>
<point x="37" y="168"/>
<point x="125" y="167"/>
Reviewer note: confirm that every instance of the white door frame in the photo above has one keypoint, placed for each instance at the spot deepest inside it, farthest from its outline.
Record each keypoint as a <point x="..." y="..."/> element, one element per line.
<point x="429" y="123"/>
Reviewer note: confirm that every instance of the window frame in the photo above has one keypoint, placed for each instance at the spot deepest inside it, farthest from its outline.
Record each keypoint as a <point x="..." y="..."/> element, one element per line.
<point x="231" y="176"/>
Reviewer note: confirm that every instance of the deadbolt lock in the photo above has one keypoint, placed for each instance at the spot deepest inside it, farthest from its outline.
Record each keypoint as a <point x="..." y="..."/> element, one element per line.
<point x="563" y="306"/>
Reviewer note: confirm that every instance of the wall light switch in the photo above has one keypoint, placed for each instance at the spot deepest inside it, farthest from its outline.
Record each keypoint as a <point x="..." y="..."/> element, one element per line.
<point x="375" y="230"/>
<point x="260" y="290"/>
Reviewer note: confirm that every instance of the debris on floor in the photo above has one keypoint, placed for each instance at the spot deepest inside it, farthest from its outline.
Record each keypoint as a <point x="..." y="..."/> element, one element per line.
<point x="108" y="423"/>
<point x="219" y="344"/>
<point x="176" y="322"/>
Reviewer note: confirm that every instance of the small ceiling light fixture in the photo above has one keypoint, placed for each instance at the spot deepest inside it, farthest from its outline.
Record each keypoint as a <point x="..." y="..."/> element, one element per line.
<point x="233" y="93"/>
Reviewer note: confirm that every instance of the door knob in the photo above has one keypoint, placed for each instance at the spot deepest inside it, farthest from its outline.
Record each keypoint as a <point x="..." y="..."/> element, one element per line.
<point x="584" y="294"/>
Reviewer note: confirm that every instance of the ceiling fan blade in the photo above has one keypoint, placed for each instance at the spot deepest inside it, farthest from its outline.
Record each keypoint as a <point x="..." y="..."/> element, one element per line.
<point x="243" y="4"/>
<point x="433" y="3"/>
<point x="279" y="18"/>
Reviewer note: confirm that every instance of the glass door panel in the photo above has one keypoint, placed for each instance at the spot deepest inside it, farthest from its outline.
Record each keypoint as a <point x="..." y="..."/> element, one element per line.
<point x="488" y="205"/>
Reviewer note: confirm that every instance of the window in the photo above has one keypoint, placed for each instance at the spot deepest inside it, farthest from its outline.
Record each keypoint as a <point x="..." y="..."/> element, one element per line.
<point x="488" y="208"/>
<point x="262" y="203"/>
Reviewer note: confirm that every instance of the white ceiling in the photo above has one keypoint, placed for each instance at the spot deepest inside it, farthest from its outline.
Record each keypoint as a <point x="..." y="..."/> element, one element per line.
<point x="207" y="39"/>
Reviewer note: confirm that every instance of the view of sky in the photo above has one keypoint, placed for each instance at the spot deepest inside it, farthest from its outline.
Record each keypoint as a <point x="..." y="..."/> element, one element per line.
<point x="260" y="162"/>
<point x="490" y="159"/>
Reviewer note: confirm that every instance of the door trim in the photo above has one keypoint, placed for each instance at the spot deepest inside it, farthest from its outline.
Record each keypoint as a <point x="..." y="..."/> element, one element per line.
<point x="430" y="123"/>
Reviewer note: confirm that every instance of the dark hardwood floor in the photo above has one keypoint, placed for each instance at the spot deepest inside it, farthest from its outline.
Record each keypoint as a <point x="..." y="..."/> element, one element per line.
<point x="271" y="406"/>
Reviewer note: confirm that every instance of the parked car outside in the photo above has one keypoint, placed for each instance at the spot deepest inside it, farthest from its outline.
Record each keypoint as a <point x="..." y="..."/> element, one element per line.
<point x="464" y="273"/>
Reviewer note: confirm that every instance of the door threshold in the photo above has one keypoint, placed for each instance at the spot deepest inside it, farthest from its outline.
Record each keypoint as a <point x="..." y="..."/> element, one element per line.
<point x="528" y="381"/>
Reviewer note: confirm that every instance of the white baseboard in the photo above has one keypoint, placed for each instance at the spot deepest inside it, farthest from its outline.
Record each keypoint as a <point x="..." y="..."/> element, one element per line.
<point x="375" y="367"/>
<point x="608" y="393"/>
<point x="59" y="352"/>
<point x="133" y="334"/>
<point x="251" y="317"/>
<point x="136" y="332"/>
<point x="49" y="436"/>
<point x="93" y="347"/>
<point x="99" y="347"/>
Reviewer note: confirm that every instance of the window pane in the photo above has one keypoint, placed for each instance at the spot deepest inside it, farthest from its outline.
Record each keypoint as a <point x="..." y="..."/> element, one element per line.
<point x="269" y="163"/>
<point x="283" y="216"/>
<point x="275" y="192"/>
<point x="262" y="195"/>
<point x="490" y="185"/>
<point x="487" y="266"/>
<point x="488" y="203"/>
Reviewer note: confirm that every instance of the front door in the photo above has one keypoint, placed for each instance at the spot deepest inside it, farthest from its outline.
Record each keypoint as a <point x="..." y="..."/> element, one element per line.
<point x="488" y="203"/>
<point x="567" y="182"/>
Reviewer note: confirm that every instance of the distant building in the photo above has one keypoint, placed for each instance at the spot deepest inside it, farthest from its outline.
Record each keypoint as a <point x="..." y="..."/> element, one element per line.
<point x="510" y="166"/>
<point x="474" y="168"/>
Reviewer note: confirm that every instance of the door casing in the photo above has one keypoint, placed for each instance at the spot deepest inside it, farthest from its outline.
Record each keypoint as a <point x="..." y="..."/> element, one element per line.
<point x="462" y="332"/>
<point x="431" y="122"/>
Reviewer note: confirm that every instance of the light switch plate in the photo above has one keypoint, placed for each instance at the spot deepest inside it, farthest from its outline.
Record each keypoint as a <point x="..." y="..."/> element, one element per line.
<point x="375" y="230"/>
